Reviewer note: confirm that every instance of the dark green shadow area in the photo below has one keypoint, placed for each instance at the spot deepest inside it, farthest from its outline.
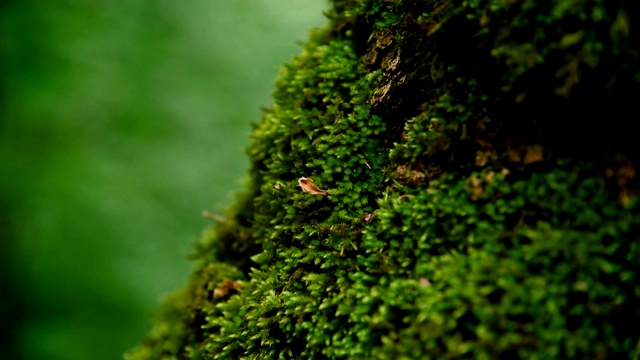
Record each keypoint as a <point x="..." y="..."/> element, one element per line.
<point x="121" y="121"/>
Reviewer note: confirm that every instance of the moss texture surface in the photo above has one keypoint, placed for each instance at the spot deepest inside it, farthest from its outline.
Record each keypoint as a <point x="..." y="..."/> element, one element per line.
<point x="479" y="159"/>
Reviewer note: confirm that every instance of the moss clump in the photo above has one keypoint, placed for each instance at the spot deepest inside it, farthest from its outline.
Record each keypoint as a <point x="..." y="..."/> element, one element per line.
<point x="481" y="203"/>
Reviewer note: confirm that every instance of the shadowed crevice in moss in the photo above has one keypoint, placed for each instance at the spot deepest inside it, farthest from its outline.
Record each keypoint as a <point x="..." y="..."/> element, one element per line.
<point x="481" y="192"/>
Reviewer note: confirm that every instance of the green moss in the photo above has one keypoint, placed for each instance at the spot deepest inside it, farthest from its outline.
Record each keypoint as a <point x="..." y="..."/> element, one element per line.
<point x="481" y="193"/>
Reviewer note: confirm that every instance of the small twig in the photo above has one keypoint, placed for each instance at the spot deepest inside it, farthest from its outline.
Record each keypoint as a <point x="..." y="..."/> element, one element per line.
<point x="214" y="217"/>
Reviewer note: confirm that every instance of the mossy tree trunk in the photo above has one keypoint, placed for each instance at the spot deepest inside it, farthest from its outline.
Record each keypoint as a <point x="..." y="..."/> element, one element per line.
<point x="475" y="193"/>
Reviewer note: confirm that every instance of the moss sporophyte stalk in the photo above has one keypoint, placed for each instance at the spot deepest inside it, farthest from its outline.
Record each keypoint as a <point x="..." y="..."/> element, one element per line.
<point x="467" y="201"/>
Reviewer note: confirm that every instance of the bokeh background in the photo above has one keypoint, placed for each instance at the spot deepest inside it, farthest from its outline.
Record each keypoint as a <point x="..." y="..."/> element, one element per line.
<point x="120" y="121"/>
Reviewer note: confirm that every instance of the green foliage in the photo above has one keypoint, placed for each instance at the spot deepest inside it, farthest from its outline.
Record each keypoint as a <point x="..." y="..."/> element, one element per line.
<point x="477" y="207"/>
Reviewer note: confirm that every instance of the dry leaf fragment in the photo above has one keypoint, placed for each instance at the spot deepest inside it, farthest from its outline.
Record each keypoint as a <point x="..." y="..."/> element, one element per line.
<point x="223" y="288"/>
<point x="310" y="187"/>
<point x="416" y="177"/>
<point x="534" y="153"/>
<point x="401" y="171"/>
<point x="514" y="154"/>
<point x="489" y="177"/>
<point x="481" y="158"/>
<point x="624" y="197"/>
<point x="476" y="188"/>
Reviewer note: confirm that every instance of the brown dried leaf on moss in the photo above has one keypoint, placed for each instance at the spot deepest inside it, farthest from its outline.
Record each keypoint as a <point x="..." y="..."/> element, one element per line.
<point x="309" y="186"/>
<point x="223" y="288"/>
<point x="533" y="153"/>
<point x="476" y="188"/>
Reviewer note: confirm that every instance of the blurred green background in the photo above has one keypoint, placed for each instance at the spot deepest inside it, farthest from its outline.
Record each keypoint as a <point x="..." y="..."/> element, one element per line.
<point x="120" y="121"/>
